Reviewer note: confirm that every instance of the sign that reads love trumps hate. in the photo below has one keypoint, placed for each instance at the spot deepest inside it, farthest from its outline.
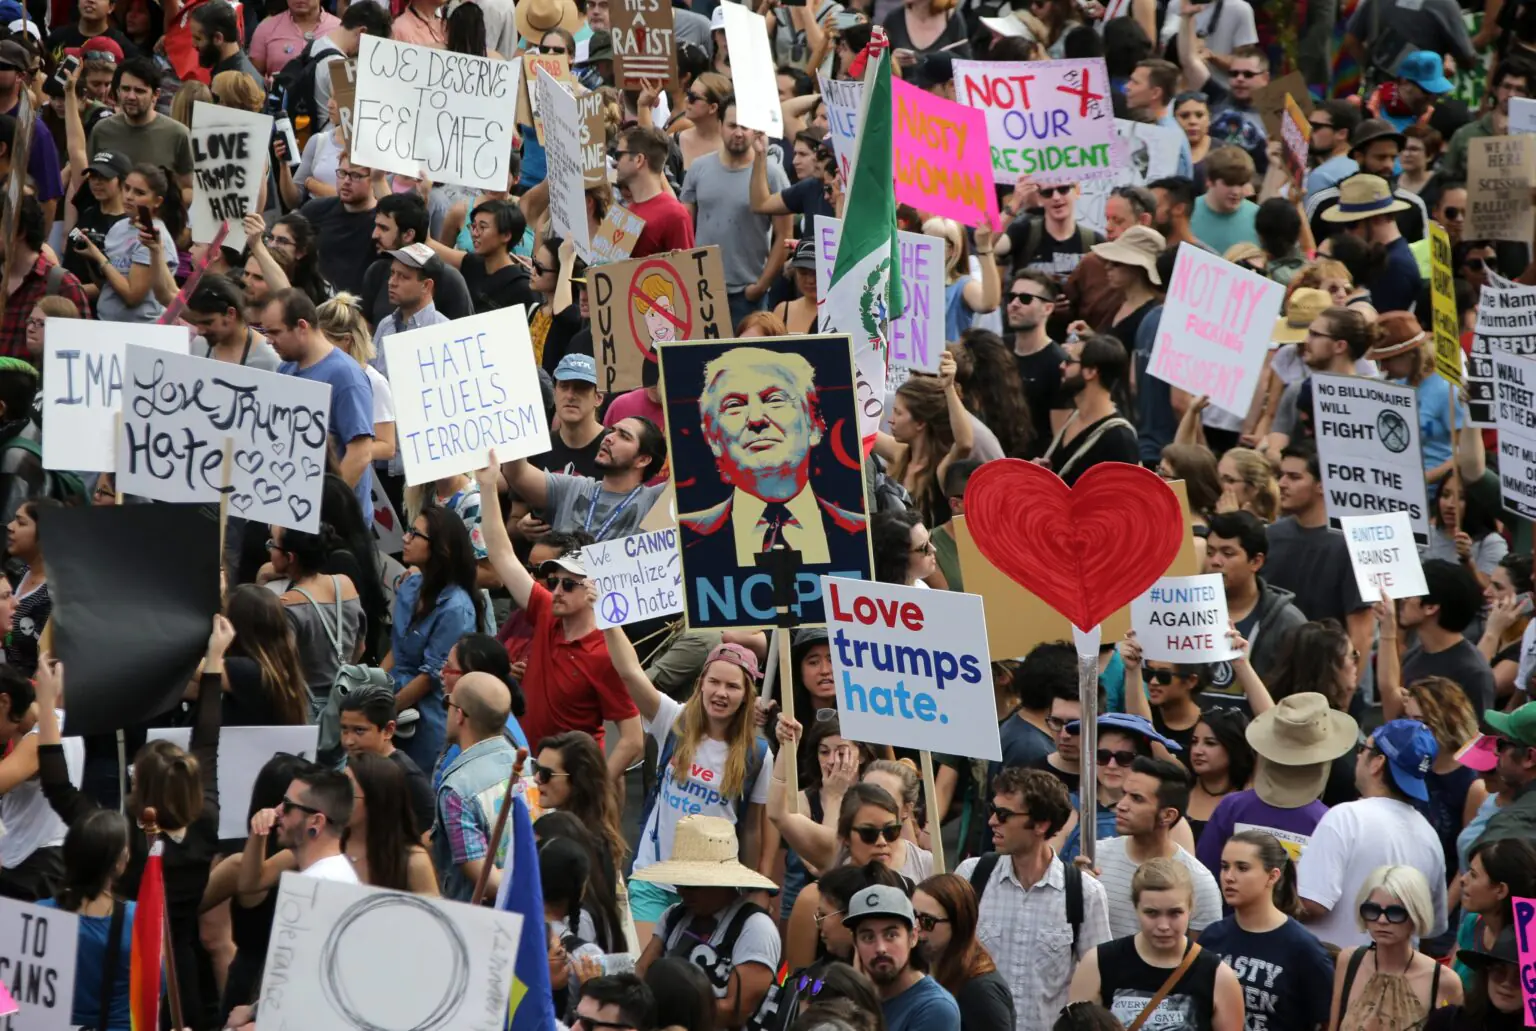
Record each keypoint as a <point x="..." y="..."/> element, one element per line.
<point x="229" y="162"/>
<point x="1183" y="619"/>
<point x="637" y="577"/>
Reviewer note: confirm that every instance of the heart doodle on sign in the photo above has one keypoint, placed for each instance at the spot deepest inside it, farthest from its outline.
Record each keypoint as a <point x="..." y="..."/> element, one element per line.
<point x="300" y="507"/>
<point x="242" y="501"/>
<point x="1086" y="550"/>
<point x="277" y="446"/>
<point x="250" y="461"/>
<point x="311" y="467"/>
<point x="268" y="491"/>
<point x="284" y="470"/>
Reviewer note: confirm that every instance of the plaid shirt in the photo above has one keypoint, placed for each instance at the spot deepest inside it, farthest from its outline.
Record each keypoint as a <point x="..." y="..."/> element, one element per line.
<point x="18" y="306"/>
<point x="465" y="824"/>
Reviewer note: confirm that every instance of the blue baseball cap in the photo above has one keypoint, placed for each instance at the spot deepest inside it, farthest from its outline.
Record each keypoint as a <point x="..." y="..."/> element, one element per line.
<point x="1426" y="70"/>
<point x="1411" y="751"/>
<point x="1139" y="725"/>
<point x="577" y="366"/>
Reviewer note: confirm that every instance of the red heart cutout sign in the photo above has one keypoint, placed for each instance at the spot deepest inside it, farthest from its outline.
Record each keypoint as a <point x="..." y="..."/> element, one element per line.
<point x="1086" y="550"/>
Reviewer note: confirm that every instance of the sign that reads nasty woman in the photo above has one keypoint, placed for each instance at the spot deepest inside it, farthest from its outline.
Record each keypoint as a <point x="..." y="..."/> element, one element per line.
<point x="37" y="965"/>
<point x="941" y="157"/>
<point x="229" y="163"/>
<point x="1216" y="329"/>
<point x="1384" y="556"/>
<point x="1183" y="619"/>
<point x="917" y="337"/>
<point x="433" y="114"/>
<point x="463" y="388"/>
<point x="1050" y="120"/>
<point x="179" y="410"/>
<point x="911" y="667"/>
<point x="637" y="577"/>
<point x="1368" y="445"/>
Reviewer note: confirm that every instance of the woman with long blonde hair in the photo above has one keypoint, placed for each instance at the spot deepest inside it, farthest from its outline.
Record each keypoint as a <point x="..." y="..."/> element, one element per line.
<point x="1248" y="484"/>
<point x="964" y="295"/>
<point x="341" y="321"/>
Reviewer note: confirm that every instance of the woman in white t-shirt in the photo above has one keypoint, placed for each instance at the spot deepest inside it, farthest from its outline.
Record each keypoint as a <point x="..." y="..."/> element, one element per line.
<point x="711" y="762"/>
<point x="341" y="320"/>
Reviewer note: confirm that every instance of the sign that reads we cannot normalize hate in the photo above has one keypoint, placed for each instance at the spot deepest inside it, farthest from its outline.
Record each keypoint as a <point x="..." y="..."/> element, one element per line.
<point x="1368" y="445"/>
<point x="637" y="577"/>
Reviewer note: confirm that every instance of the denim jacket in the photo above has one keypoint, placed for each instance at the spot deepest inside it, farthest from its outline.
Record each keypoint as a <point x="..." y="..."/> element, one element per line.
<point x="422" y="646"/>
<point x="478" y="776"/>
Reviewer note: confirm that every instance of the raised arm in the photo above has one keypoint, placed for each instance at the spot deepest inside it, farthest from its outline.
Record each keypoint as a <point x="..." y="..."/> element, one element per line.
<point x="255" y="239"/>
<point x="1389" y="665"/>
<point x="811" y="841"/>
<point x="959" y="418"/>
<point x="1196" y="71"/>
<point x="498" y="546"/>
<point x="627" y="664"/>
<point x="53" y="770"/>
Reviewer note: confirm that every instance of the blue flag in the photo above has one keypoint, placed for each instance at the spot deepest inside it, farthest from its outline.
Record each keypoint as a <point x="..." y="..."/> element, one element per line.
<point x="530" y="1007"/>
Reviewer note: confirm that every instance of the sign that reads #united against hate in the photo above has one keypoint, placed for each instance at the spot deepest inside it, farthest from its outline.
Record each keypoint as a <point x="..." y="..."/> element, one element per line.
<point x="1215" y="329"/>
<point x="1384" y="556"/>
<point x="941" y="157"/>
<point x="1515" y="381"/>
<point x="433" y="114"/>
<point x="1368" y="445"/>
<point x="1050" y="120"/>
<point x="463" y="388"/>
<point x="911" y="667"/>
<point x="637" y="577"/>
<point x="1183" y="619"/>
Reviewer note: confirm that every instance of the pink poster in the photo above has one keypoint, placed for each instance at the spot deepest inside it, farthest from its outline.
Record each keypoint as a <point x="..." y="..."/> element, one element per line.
<point x="1525" y="918"/>
<point x="943" y="164"/>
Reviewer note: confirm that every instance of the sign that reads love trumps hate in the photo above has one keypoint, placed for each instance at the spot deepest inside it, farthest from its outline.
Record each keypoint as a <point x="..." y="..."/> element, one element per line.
<point x="911" y="667"/>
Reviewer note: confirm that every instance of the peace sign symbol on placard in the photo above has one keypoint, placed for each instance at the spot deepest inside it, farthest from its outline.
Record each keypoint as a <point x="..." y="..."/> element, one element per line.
<point x="615" y="608"/>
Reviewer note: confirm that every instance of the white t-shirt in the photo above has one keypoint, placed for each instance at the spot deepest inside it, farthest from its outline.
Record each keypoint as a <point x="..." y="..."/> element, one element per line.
<point x="383" y="397"/>
<point x="1116" y="870"/>
<point x="29" y="821"/>
<point x="700" y="796"/>
<point x="1350" y="841"/>
<point x="757" y="943"/>
<point x="332" y="868"/>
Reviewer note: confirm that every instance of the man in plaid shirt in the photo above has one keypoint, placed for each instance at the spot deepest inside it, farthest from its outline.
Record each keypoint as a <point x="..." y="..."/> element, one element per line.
<point x="33" y="276"/>
<point x="473" y="785"/>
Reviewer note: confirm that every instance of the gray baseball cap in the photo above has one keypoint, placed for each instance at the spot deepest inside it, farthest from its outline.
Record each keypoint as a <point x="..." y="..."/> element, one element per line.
<point x="879" y="900"/>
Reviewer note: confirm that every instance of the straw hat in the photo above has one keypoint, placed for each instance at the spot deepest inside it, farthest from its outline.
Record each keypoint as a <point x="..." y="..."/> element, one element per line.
<point x="536" y="17"/>
<point x="1400" y="333"/>
<point x="1305" y="305"/>
<point x="1364" y="196"/>
<point x="1139" y="246"/>
<point x="704" y="856"/>
<point x="1296" y="741"/>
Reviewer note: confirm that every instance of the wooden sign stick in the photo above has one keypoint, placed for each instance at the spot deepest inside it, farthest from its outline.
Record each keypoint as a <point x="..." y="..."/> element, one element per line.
<point x="501" y="826"/>
<point x="935" y="818"/>
<point x="782" y="564"/>
<point x="224" y="491"/>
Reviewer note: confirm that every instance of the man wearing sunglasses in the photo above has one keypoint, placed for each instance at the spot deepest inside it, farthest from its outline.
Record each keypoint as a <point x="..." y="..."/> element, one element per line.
<point x="1050" y="242"/>
<point x="885" y="938"/>
<point x="621" y="1002"/>
<point x="472" y="781"/>
<point x="310" y="820"/>
<point x="1517" y="766"/>
<point x="1028" y="306"/>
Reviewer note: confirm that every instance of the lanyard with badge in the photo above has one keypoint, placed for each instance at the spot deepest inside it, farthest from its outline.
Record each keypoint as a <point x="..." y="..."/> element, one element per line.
<point x="602" y="532"/>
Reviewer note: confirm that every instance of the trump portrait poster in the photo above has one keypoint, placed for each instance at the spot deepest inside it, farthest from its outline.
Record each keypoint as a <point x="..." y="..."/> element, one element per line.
<point x="764" y="443"/>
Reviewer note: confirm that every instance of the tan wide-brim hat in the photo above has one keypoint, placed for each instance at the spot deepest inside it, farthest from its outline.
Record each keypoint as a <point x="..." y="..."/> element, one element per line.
<point x="534" y="18"/>
<point x="1364" y="196"/>
<point x="704" y="852"/>
<point x="1139" y="246"/>
<point x="1289" y="787"/>
<point x="1301" y="730"/>
<point x="1304" y="305"/>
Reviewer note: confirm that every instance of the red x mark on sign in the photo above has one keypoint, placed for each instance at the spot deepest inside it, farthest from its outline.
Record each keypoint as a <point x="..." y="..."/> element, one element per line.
<point x="1082" y="93"/>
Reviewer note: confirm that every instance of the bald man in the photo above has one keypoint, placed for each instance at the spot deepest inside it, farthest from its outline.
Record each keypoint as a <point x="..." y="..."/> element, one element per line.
<point x="473" y="784"/>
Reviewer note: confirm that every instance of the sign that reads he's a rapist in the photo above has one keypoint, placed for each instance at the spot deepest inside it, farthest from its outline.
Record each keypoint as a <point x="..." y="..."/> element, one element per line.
<point x="911" y="667"/>
<point x="637" y="577"/>
<point x="1368" y="446"/>
<point x="37" y="965"/>
<point x="1183" y="619"/>
<point x="1383" y="555"/>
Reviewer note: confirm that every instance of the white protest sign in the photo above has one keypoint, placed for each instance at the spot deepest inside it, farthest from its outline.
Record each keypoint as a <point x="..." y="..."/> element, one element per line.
<point x="637" y="577"/>
<point x="911" y="667"/>
<point x="37" y="963"/>
<point x="1143" y="152"/>
<point x="1368" y="446"/>
<point x="1506" y="321"/>
<point x="243" y="751"/>
<point x="1522" y="115"/>
<point x="345" y="956"/>
<point x="1183" y="619"/>
<point x="229" y="165"/>
<point x="1515" y="409"/>
<point x="83" y="386"/>
<point x="1051" y="120"/>
<point x="178" y="411"/>
<point x="1384" y="556"/>
<point x="562" y="147"/>
<point x="917" y="337"/>
<point x="842" y="98"/>
<point x="462" y="388"/>
<point x="1216" y="329"/>
<point x="754" y="75"/>
<point x="430" y="113"/>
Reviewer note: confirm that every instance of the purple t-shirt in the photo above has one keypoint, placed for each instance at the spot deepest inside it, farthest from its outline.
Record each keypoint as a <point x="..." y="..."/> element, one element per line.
<point x="1246" y="811"/>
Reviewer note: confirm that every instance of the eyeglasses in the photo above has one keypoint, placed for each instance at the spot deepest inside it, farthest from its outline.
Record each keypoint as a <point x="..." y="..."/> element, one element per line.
<point x="1475" y="263"/>
<point x="701" y="98"/>
<point x="819" y="917"/>
<point x="544" y="774"/>
<point x="543" y="270"/>
<point x="413" y="532"/>
<point x="1000" y="814"/>
<point x="355" y="176"/>
<point x="1056" y="725"/>
<point x="1371" y="912"/>
<point x="806" y="982"/>
<point x="1055" y="191"/>
<point x="1320" y="125"/>
<point x="102" y="491"/>
<point x="556" y="583"/>
<point x="1184" y="98"/>
<point x="1025" y="297"/>
<point x="553" y="48"/>
<point x="620" y="155"/>
<point x="1120" y="757"/>
<point x="289" y="805"/>
<point x="36" y="323"/>
<point x="928" y="922"/>
<point x="869" y="835"/>
<point x="1454" y="214"/>
<point x="1159" y="676"/>
<point x="925" y="548"/>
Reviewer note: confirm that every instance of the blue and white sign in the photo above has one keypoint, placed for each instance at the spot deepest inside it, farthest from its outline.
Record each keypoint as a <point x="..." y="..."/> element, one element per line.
<point x="637" y="577"/>
<point x="1183" y="619"/>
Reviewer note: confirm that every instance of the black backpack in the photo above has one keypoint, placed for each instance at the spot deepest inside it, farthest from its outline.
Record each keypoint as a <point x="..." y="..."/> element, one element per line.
<point x="982" y="873"/>
<point x="293" y="90"/>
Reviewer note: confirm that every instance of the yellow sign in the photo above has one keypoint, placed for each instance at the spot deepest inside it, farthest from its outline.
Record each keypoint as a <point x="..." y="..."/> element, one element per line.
<point x="1443" y="295"/>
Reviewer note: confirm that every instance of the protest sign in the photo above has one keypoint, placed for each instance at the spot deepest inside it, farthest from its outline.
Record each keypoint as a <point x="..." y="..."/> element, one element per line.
<point x="911" y="668"/>
<point x="558" y="65"/>
<point x="616" y="236"/>
<point x="433" y="114"/>
<point x="463" y="388"/>
<point x="1515" y="410"/>
<point x="1183" y="619"/>
<point x="1522" y="115"/>
<point x="754" y="75"/>
<point x="1525" y="947"/>
<point x="1384" y="556"/>
<point x="37" y="962"/>
<point x="1368" y="445"/>
<point x="229" y="165"/>
<point x="562" y="149"/>
<point x="593" y="137"/>
<point x="842" y="98"/>
<point x="663" y="513"/>
<point x="344" y="956"/>
<point x="725" y="476"/>
<point x="1269" y="101"/>
<point x="1506" y="321"/>
<point x="83" y="386"/>
<point x="1500" y="173"/>
<point x="1296" y="130"/>
<point x="1051" y="120"/>
<point x="1216" y="329"/>
<point x="344" y="89"/>
<point x="917" y="336"/>
<point x="644" y="48"/>
<point x="1443" y="302"/>
<point x="941" y="157"/>
<point x="179" y="410"/>
<point x="637" y="577"/>
<point x="1142" y="153"/>
<point x="243" y="751"/>
<point x="638" y="304"/>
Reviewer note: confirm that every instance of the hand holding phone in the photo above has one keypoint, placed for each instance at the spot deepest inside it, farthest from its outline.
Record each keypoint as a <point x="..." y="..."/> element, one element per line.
<point x="59" y="81"/>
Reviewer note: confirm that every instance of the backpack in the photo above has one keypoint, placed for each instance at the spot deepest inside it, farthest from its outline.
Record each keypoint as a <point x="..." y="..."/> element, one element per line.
<point x="981" y="874"/>
<point x="664" y="760"/>
<point x="1034" y="235"/>
<point x="57" y="484"/>
<point x="349" y="678"/>
<point x="293" y="90"/>
<point x="714" y="960"/>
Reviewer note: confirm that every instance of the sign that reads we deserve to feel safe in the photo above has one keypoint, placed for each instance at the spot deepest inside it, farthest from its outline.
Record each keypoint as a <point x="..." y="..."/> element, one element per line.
<point x="637" y="577"/>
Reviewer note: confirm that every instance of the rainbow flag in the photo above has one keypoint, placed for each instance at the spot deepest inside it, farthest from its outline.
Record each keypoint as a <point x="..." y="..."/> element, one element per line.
<point x="144" y="957"/>
<point x="1348" y="76"/>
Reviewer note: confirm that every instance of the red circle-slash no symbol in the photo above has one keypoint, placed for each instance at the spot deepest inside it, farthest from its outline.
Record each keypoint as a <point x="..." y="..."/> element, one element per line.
<point x="682" y="319"/>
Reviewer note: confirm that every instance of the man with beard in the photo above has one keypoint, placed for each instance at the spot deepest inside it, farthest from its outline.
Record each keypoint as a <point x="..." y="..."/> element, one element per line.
<point x="216" y="35"/>
<point x="1335" y="340"/>
<point x="1094" y="371"/>
<point x="1030" y="302"/>
<point x="609" y="507"/>
<point x="1175" y="197"/>
<point x="310" y="821"/>
<point x="399" y="220"/>
<point x="641" y="179"/>
<point x="344" y="227"/>
<point x="138" y="131"/>
<point x="882" y="920"/>
<point x="1514" y="77"/>
<point x="216" y="309"/>
<point x="1332" y="124"/>
<point x="1375" y="146"/>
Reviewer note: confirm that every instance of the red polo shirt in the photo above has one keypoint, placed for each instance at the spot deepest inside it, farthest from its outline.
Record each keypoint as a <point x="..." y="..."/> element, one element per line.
<point x="569" y="685"/>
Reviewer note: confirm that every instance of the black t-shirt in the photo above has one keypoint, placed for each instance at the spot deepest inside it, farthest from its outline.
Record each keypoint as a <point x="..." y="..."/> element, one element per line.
<point x="95" y="224"/>
<point x="573" y="461"/>
<point x="1072" y="780"/>
<point x="70" y="36"/>
<point x="1041" y="375"/>
<point x="1461" y="663"/>
<point x="1056" y="258"/>
<point x="1077" y="456"/>
<point x="1313" y="564"/>
<point x="1125" y="329"/>
<point x="491" y="290"/>
<point x="344" y="240"/>
<point x="248" y="702"/>
<point x="423" y="805"/>
<point x="986" y="1002"/>
<point x="808" y="197"/>
<point x="450" y="297"/>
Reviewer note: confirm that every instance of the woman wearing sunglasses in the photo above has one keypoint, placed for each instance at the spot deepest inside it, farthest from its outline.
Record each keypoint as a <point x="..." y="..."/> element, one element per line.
<point x="1390" y="985"/>
<point x="946" y="910"/>
<point x="1497" y="873"/>
<point x="1494" y="996"/>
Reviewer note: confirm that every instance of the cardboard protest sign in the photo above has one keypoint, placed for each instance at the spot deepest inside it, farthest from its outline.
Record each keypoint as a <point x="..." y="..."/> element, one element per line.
<point x="637" y="577"/>
<point x="616" y="236"/>
<point x="1384" y="556"/>
<point x="917" y="337"/>
<point x="942" y="161"/>
<point x="663" y="513"/>
<point x="1525" y="947"/>
<point x="463" y="388"/>
<point x="1368" y="445"/>
<point x="344" y="89"/>
<point x="37" y="960"/>
<point x="911" y="668"/>
<point x="1216" y="329"/>
<point x="1500" y="173"/>
<point x="346" y="956"/>
<point x="842" y="98"/>
<point x="592" y="131"/>
<point x="644" y="47"/>
<point x="229" y="165"/>
<point x="785" y="467"/>
<point x="1448" y="358"/>
<point x="562" y="150"/>
<point x="1142" y="153"/>
<point x="1296" y="131"/>
<point x="638" y="304"/>
<point x="130" y="626"/>
<point x="243" y="751"/>
<point x="178" y="411"/>
<point x="1269" y="101"/>
<point x="1052" y="120"/>
<point x="1515" y="409"/>
<point x="1506" y="321"/>
<point x="754" y="75"/>
<point x="433" y="114"/>
<point x="83" y="386"/>
<point x="1183" y="619"/>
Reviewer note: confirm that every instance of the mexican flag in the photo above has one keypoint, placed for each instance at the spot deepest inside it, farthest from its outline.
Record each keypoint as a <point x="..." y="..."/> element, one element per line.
<point x="865" y="292"/>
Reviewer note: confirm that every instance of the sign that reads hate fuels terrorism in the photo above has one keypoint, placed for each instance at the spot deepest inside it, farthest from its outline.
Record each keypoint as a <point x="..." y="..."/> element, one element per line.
<point x="1368" y="446"/>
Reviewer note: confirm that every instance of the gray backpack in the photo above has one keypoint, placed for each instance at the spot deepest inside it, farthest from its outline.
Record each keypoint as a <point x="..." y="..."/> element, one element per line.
<point x="349" y="677"/>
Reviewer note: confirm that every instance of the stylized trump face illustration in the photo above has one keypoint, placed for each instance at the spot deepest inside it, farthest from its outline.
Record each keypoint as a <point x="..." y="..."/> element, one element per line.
<point x="761" y="420"/>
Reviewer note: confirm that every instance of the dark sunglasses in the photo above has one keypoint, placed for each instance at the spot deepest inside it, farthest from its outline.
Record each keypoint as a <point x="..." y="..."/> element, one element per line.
<point x="556" y="583"/>
<point x="544" y="774"/>
<point x="1184" y="98"/>
<point x="1371" y="912"/>
<point x="548" y="48"/>
<point x="1025" y="297"/>
<point x="928" y="922"/>
<point x="289" y="805"/>
<point x="543" y="270"/>
<point x="1121" y="757"/>
<point x="1238" y="73"/>
<point x="1000" y="814"/>
<point x="1056" y="726"/>
<point x="1454" y="214"/>
<point x="1055" y="191"/>
<point x="1160" y="676"/>
<point x="809" y="986"/>
<point x="1317" y="126"/>
<point x="869" y="835"/>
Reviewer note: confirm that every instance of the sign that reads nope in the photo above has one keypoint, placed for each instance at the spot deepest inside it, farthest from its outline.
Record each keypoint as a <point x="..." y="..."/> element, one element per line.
<point x="911" y="667"/>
